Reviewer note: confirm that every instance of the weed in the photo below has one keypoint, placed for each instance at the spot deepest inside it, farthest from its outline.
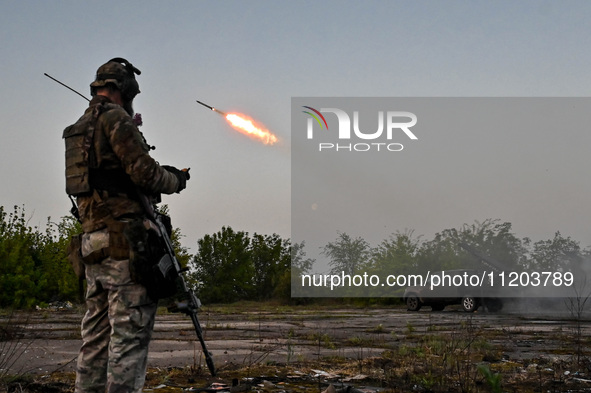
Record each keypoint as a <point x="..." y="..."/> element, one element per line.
<point x="576" y="306"/>
<point x="378" y="329"/>
<point x="12" y="346"/>
<point x="290" y="350"/>
<point x="358" y="341"/>
<point x="492" y="380"/>
<point x="410" y="328"/>
<point x="323" y="340"/>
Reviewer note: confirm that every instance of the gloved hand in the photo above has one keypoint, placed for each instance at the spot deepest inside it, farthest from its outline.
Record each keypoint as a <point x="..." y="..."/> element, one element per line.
<point x="181" y="175"/>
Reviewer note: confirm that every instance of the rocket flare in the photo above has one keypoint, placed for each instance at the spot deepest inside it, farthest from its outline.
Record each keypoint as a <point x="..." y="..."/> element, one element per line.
<point x="246" y="125"/>
<point x="212" y="108"/>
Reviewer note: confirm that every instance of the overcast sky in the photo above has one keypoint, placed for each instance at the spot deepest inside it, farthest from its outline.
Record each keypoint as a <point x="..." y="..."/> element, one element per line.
<point x="252" y="57"/>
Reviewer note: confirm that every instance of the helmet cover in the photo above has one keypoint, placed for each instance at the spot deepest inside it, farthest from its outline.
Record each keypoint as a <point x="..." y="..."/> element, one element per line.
<point x="120" y="73"/>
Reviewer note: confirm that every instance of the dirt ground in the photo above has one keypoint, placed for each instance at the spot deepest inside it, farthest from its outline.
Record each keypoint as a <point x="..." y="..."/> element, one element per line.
<point x="387" y="345"/>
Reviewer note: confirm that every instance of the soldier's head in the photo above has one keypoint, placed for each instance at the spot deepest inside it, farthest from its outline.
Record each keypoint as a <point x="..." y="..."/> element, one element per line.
<point x="118" y="74"/>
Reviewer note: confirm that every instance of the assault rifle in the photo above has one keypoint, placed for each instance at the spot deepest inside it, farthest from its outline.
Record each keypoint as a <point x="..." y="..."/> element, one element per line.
<point x="169" y="262"/>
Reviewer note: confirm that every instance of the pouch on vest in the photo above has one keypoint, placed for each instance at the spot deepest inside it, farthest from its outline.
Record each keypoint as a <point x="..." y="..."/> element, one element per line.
<point x="77" y="147"/>
<point x="80" y="155"/>
<point x="119" y="245"/>
<point x="75" y="256"/>
<point x="95" y="246"/>
<point x="150" y="265"/>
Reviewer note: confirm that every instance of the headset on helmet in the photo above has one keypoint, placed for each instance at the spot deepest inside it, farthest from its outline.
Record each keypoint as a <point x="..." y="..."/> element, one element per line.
<point x="120" y="73"/>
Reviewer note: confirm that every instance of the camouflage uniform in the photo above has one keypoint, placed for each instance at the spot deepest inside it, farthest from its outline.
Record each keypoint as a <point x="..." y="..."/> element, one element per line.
<point x="117" y="326"/>
<point x="116" y="330"/>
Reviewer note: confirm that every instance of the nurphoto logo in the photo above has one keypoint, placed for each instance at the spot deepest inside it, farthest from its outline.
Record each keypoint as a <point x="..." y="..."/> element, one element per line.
<point x="397" y="123"/>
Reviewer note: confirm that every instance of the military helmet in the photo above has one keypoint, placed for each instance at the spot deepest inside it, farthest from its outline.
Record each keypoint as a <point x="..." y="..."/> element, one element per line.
<point x="120" y="73"/>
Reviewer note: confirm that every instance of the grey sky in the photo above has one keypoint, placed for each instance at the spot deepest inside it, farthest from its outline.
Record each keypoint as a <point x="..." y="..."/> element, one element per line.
<point x="252" y="57"/>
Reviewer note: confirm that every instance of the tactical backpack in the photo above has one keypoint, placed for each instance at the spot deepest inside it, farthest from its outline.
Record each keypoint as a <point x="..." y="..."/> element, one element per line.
<point x="80" y="155"/>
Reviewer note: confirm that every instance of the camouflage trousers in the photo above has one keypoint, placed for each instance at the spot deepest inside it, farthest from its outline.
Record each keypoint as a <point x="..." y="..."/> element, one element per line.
<point x="116" y="331"/>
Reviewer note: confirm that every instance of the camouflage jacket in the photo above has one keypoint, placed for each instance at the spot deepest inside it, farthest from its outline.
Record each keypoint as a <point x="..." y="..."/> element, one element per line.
<point x="120" y="149"/>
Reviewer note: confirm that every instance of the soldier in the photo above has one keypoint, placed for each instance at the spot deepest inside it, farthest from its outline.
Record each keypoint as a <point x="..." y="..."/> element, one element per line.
<point x="107" y="165"/>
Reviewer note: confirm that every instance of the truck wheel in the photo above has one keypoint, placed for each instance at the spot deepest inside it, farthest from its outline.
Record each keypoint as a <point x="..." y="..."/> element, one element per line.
<point x="469" y="304"/>
<point x="413" y="303"/>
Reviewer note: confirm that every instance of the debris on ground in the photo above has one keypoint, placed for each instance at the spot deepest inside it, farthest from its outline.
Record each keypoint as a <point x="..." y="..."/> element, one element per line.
<point x="56" y="306"/>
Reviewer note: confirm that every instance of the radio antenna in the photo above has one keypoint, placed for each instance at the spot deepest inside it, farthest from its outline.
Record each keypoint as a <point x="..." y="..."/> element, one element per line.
<point x="66" y="86"/>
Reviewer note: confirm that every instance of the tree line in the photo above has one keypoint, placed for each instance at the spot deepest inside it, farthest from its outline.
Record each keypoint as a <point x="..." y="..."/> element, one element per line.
<point x="234" y="265"/>
<point x="33" y="264"/>
<point x="405" y="253"/>
<point x="229" y="266"/>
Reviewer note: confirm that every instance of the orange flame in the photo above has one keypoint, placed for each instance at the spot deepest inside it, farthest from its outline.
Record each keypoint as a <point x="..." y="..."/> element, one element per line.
<point x="246" y="126"/>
